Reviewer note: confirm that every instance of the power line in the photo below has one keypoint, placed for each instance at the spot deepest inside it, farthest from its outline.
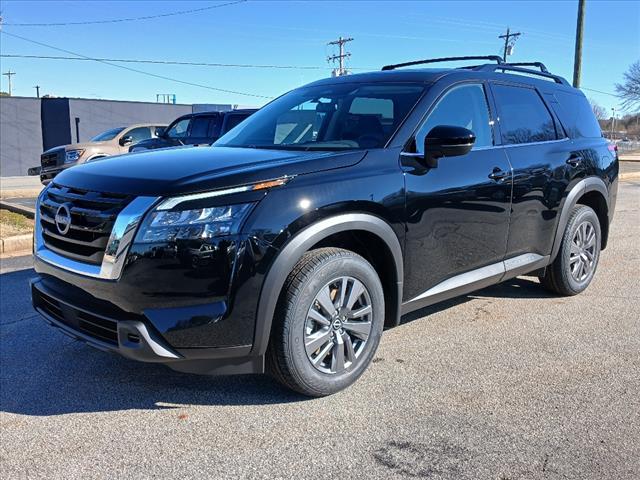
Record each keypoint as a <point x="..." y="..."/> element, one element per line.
<point x="600" y="91"/>
<point x="166" y="62"/>
<point x="106" y="62"/>
<point x="131" y="19"/>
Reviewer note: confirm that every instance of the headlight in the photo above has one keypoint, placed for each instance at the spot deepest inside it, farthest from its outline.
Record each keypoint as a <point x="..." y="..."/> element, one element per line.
<point x="202" y="223"/>
<point x="73" y="156"/>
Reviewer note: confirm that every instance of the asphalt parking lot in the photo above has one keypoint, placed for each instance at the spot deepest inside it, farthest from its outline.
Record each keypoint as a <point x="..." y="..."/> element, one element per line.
<point x="508" y="383"/>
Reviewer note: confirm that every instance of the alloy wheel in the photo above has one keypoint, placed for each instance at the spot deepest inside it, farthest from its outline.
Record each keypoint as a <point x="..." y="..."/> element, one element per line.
<point x="583" y="252"/>
<point x="338" y="325"/>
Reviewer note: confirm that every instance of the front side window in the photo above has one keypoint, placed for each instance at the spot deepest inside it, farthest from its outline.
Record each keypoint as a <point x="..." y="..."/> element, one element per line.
<point x="138" y="134"/>
<point x="524" y="118"/>
<point x="343" y="116"/>
<point x="179" y="129"/>
<point x="463" y="106"/>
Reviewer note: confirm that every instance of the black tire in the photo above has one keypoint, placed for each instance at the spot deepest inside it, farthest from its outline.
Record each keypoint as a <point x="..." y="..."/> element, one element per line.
<point x="558" y="276"/>
<point x="287" y="357"/>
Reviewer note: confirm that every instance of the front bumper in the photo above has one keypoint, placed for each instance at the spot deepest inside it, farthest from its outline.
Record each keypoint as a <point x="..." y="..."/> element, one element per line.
<point x="135" y="338"/>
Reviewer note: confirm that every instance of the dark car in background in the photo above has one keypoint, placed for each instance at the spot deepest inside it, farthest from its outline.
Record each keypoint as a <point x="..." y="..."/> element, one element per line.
<point x="195" y="129"/>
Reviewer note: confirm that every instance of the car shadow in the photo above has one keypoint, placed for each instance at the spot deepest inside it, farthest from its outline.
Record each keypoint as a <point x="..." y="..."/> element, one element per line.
<point x="43" y="372"/>
<point x="520" y="287"/>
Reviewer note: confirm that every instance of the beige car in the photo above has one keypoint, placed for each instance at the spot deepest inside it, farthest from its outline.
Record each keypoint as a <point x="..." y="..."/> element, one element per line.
<point x="112" y="142"/>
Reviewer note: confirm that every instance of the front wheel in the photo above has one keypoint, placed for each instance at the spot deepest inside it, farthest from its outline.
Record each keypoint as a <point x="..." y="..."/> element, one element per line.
<point x="575" y="265"/>
<point x="328" y="322"/>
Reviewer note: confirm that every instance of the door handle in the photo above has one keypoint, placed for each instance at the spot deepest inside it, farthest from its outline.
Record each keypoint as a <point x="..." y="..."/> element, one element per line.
<point x="498" y="174"/>
<point x="574" y="160"/>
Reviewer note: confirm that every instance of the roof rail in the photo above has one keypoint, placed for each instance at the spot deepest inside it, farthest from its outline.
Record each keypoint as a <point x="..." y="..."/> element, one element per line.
<point x="494" y="58"/>
<point x="515" y="67"/>
<point x="540" y="65"/>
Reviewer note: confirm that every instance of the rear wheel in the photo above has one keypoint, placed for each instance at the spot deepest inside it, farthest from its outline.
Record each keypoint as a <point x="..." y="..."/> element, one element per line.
<point x="328" y="322"/>
<point x="575" y="265"/>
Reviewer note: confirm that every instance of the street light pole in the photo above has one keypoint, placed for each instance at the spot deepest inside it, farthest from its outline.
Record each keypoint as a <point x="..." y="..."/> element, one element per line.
<point x="613" y="120"/>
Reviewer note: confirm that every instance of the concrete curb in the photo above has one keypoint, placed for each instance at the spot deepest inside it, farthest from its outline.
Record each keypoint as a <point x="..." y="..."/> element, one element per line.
<point x="13" y="207"/>
<point x="18" y="243"/>
<point x="629" y="176"/>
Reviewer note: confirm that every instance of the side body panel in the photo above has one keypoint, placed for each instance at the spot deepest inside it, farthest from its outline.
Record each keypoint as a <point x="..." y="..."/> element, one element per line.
<point x="457" y="215"/>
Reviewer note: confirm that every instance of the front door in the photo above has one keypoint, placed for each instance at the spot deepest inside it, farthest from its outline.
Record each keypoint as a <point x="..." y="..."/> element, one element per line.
<point x="458" y="212"/>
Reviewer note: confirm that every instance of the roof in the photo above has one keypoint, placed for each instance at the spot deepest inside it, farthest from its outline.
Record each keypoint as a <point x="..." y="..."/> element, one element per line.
<point x="432" y="75"/>
<point x="214" y="113"/>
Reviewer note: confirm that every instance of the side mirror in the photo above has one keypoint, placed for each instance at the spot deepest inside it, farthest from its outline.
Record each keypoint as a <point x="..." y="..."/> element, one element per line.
<point x="447" y="141"/>
<point x="126" y="140"/>
<point x="160" y="132"/>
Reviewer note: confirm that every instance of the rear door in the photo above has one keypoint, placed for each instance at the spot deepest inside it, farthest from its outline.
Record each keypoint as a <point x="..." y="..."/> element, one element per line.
<point x="458" y="212"/>
<point x="538" y="151"/>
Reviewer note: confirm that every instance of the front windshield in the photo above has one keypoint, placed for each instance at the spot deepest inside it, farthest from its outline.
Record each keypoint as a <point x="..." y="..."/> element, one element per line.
<point x="108" y="135"/>
<point x="342" y="116"/>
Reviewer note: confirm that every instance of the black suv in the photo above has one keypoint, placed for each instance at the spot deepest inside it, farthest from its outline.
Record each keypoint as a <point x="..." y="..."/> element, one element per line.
<point x="194" y="129"/>
<point x="326" y="216"/>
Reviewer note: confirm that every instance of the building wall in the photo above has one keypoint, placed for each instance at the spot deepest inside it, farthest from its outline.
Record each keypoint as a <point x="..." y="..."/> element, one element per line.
<point x="96" y="116"/>
<point x="28" y="126"/>
<point x="20" y="135"/>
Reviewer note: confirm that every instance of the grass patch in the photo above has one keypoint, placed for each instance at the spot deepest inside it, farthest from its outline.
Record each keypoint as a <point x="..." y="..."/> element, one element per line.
<point x="12" y="224"/>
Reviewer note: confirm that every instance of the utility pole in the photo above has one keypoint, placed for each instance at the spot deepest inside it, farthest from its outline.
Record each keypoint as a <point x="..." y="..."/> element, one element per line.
<point x="37" y="87"/>
<point x="577" y="58"/>
<point x="508" y="43"/>
<point x="341" y="70"/>
<point x="9" y="74"/>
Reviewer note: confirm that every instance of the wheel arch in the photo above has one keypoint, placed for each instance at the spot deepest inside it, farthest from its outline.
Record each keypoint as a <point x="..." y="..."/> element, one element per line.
<point x="333" y="231"/>
<point x="592" y="192"/>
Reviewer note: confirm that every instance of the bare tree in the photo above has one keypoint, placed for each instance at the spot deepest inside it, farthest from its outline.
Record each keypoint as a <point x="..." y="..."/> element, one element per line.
<point x="629" y="90"/>
<point x="598" y="110"/>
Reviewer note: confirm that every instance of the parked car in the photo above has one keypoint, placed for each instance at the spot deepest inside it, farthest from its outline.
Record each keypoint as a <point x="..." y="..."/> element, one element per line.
<point x="112" y="142"/>
<point x="195" y="129"/>
<point x="337" y="208"/>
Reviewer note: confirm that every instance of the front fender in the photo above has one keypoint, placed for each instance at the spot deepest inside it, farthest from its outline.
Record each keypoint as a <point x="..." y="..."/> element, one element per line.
<point x="295" y="248"/>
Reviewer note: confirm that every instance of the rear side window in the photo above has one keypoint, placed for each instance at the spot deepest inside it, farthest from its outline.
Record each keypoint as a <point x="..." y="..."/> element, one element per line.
<point x="524" y="118"/>
<point x="576" y="115"/>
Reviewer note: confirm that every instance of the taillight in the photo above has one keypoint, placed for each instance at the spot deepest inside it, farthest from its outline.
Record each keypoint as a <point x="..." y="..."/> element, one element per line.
<point x="612" y="147"/>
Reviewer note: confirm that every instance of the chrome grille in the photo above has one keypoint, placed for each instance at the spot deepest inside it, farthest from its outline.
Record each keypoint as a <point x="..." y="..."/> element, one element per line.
<point x="92" y="217"/>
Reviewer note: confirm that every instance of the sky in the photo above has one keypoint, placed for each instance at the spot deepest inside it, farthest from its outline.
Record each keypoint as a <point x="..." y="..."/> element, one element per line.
<point x="293" y="34"/>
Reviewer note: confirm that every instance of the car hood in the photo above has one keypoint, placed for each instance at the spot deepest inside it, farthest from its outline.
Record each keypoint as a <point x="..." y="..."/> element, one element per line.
<point x="77" y="146"/>
<point x="197" y="169"/>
